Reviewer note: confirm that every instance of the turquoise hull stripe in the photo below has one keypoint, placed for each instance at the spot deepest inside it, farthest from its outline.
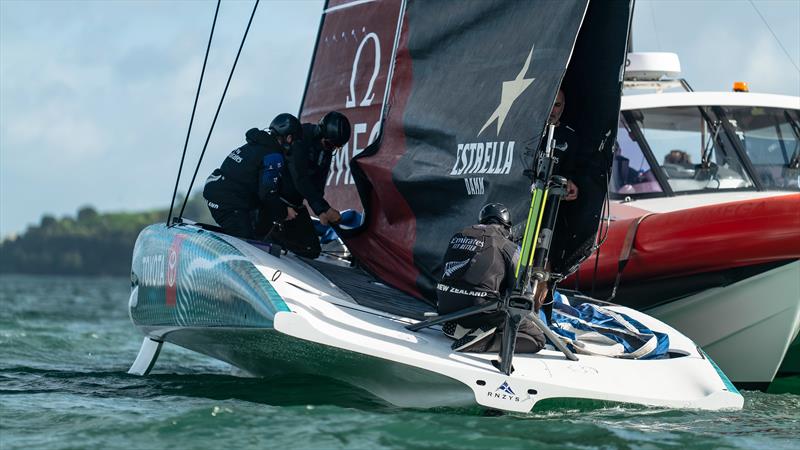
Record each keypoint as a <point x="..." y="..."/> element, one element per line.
<point x="728" y="385"/>
<point x="275" y="298"/>
<point x="188" y="277"/>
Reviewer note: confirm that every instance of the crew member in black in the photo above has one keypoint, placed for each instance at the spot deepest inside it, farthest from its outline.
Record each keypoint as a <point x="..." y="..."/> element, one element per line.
<point x="580" y="213"/>
<point x="304" y="178"/>
<point x="479" y="267"/>
<point x="249" y="177"/>
<point x="564" y="134"/>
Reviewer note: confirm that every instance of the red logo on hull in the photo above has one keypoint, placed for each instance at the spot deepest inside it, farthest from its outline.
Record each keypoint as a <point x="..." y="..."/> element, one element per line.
<point x="173" y="258"/>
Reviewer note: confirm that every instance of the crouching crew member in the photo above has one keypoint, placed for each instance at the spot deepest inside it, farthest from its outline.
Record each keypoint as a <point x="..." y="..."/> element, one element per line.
<point x="249" y="178"/>
<point x="304" y="178"/>
<point x="479" y="267"/>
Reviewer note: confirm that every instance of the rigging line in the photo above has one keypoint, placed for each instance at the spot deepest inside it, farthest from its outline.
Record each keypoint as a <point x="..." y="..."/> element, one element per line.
<point x="219" y="107"/>
<point x="191" y="120"/>
<point x="653" y="19"/>
<point x="774" y="35"/>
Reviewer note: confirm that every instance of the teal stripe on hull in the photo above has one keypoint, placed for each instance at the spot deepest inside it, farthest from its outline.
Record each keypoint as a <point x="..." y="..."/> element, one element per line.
<point x="187" y="277"/>
<point x="728" y="385"/>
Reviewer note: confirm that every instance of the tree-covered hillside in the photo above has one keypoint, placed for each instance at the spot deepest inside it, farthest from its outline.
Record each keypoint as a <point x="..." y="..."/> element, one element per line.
<point x="91" y="243"/>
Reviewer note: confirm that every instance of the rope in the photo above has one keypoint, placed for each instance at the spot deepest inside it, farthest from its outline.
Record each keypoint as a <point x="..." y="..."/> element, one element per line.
<point x="775" y="36"/>
<point x="194" y="109"/>
<point x="221" y="100"/>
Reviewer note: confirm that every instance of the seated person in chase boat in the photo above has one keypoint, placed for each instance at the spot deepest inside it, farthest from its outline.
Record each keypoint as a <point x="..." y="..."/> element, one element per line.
<point x="479" y="267"/>
<point x="678" y="164"/>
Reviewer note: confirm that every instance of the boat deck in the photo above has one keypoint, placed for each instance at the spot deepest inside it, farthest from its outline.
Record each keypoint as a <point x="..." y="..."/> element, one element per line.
<point x="368" y="291"/>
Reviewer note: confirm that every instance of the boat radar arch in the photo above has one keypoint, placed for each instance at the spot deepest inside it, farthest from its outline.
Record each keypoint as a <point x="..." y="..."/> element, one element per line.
<point x="653" y="70"/>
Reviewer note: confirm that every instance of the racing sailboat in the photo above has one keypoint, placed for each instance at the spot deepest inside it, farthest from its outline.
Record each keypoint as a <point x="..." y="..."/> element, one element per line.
<point x="444" y="100"/>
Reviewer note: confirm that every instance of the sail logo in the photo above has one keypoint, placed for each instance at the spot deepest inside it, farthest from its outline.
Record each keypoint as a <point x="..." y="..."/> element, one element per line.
<point x="482" y="158"/>
<point x="492" y="157"/>
<point x="364" y="133"/>
<point x="173" y="260"/>
<point x="509" y="93"/>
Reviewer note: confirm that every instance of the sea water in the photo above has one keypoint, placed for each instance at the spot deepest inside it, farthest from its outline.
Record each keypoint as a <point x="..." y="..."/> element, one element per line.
<point x="66" y="344"/>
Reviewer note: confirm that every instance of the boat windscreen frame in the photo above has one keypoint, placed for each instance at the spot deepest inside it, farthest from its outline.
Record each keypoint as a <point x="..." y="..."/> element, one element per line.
<point x="638" y="135"/>
<point x="794" y="161"/>
<point x="737" y="147"/>
<point x="706" y="112"/>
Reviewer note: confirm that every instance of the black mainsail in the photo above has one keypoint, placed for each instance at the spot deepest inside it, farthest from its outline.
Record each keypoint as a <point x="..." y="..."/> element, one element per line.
<point x="449" y="101"/>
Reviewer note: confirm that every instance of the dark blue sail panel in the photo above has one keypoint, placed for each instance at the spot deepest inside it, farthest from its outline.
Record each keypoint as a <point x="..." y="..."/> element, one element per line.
<point x="485" y="77"/>
<point x="471" y="87"/>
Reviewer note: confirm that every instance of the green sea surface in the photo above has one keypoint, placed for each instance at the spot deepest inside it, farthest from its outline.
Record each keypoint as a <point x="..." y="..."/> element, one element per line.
<point x="66" y="344"/>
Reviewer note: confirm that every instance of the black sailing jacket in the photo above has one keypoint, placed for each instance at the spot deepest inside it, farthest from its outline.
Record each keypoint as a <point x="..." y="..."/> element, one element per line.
<point x="248" y="175"/>
<point x="306" y="171"/>
<point x="481" y="258"/>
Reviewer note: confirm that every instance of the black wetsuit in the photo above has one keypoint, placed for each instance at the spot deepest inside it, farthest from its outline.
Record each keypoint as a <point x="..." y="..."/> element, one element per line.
<point x="303" y="178"/>
<point x="577" y="221"/>
<point x="479" y="267"/>
<point x="246" y="181"/>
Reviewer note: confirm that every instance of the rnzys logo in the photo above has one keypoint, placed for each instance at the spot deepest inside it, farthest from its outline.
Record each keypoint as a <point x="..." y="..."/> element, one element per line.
<point x="492" y="157"/>
<point x="505" y="392"/>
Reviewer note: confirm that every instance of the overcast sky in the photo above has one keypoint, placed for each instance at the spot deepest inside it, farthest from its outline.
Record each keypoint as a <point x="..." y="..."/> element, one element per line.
<point x="95" y="97"/>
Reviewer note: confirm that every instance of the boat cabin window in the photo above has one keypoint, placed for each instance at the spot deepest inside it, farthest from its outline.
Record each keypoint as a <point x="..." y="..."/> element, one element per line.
<point x="631" y="172"/>
<point x="771" y="139"/>
<point x="691" y="148"/>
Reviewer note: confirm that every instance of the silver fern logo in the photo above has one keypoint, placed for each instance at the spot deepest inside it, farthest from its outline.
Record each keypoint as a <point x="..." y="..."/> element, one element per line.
<point x="451" y="267"/>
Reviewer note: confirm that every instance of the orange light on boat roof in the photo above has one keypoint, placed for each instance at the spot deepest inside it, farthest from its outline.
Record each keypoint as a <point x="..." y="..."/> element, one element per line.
<point x="740" y="86"/>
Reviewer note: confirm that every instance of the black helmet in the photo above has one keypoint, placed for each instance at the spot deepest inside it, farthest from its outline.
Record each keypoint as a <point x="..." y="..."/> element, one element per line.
<point x="495" y="213"/>
<point x="285" y="124"/>
<point x="335" y="127"/>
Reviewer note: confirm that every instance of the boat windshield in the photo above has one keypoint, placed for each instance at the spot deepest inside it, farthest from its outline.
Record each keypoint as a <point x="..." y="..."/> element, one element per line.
<point x="631" y="172"/>
<point x="771" y="139"/>
<point x="683" y="149"/>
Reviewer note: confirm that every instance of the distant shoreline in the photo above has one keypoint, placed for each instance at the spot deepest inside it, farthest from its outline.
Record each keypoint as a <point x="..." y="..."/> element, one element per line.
<point x="91" y="244"/>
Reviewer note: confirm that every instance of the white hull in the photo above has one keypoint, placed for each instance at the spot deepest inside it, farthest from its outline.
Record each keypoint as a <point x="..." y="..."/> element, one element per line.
<point x="745" y="327"/>
<point x="293" y="320"/>
<point x="687" y="382"/>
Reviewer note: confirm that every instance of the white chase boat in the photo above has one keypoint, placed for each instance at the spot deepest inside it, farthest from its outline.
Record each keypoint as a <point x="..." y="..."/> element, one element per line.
<point x="445" y="103"/>
<point x="705" y="214"/>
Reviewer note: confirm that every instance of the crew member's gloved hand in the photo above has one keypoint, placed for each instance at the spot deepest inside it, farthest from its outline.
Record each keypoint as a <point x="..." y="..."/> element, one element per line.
<point x="290" y="213"/>
<point x="572" y="191"/>
<point x="330" y="217"/>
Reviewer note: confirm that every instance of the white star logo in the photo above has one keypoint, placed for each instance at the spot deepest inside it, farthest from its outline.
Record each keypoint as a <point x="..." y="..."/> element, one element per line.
<point x="509" y="94"/>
